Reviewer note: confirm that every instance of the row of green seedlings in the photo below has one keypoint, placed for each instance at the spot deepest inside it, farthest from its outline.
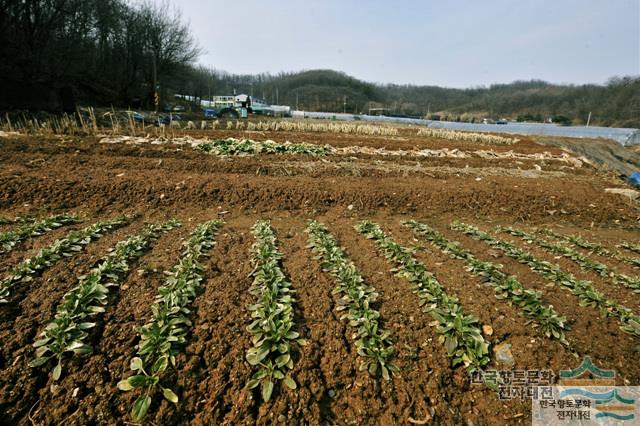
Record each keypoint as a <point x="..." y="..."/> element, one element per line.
<point x="506" y="287"/>
<point x="583" y="261"/>
<point x="232" y="146"/>
<point x="162" y="338"/>
<point x="9" y="239"/>
<point x="371" y="339"/>
<point x="74" y="242"/>
<point x="459" y="332"/>
<point x="631" y="246"/>
<point x="584" y="290"/>
<point x="593" y="247"/>
<point x="274" y="338"/>
<point x="18" y="219"/>
<point x="67" y="331"/>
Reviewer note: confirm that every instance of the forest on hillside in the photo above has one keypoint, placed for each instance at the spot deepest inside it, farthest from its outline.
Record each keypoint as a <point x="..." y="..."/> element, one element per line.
<point x="58" y="54"/>
<point x="616" y="103"/>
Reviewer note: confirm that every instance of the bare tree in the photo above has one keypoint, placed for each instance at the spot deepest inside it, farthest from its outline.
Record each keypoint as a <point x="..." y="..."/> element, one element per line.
<point x="169" y="44"/>
<point x="105" y="50"/>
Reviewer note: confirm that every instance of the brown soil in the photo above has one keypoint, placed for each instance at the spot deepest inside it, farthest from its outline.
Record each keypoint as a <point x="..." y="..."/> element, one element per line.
<point x="584" y="322"/>
<point x="41" y="176"/>
<point x="31" y="245"/>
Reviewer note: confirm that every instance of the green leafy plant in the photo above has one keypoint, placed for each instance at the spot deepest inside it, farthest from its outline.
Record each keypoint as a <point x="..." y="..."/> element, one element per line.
<point x="631" y="246"/>
<point x="272" y="329"/>
<point x="8" y="220"/>
<point x="9" y="239"/>
<point x="506" y="287"/>
<point x="459" y="332"/>
<point x="163" y="336"/>
<point x="68" y="330"/>
<point x="231" y="146"/>
<point x="372" y="341"/>
<point x="592" y="247"/>
<point x="584" y="290"/>
<point x="74" y="242"/>
<point x="583" y="261"/>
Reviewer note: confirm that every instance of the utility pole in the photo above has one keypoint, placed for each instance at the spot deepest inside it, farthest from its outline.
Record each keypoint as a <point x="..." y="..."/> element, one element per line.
<point x="277" y="99"/>
<point x="344" y="104"/>
<point x="156" y="97"/>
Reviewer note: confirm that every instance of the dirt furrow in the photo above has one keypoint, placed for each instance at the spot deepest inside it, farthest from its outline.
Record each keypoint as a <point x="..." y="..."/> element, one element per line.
<point x="329" y="367"/>
<point x="618" y="292"/>
<point x="33" y="302"/>
<point x="612" y="263"/>
<point x="212" y="373"/>
<point x="425" y="387"/>
<point x="590" y="334"/>
<point x="26" y="248"/>
<point x="88" y="383"/>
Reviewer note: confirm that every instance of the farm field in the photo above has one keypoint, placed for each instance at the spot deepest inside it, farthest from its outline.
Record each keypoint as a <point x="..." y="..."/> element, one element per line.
<point x="352" y="234"/>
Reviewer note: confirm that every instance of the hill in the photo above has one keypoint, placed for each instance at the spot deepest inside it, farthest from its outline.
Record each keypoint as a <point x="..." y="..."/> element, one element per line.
<point x="616" y="103"/>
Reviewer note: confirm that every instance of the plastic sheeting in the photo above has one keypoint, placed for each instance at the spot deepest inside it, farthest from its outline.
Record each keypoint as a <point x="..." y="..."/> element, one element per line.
<point x="621" y="135"/>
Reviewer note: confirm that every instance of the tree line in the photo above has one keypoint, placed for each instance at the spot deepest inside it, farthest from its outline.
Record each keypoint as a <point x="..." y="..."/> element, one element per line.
<point x="616" y="103"/>
<point x="54" y="53"/>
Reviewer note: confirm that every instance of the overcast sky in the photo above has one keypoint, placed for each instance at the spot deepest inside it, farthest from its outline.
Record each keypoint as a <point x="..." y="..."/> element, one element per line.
<point x="458" y="43"/>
